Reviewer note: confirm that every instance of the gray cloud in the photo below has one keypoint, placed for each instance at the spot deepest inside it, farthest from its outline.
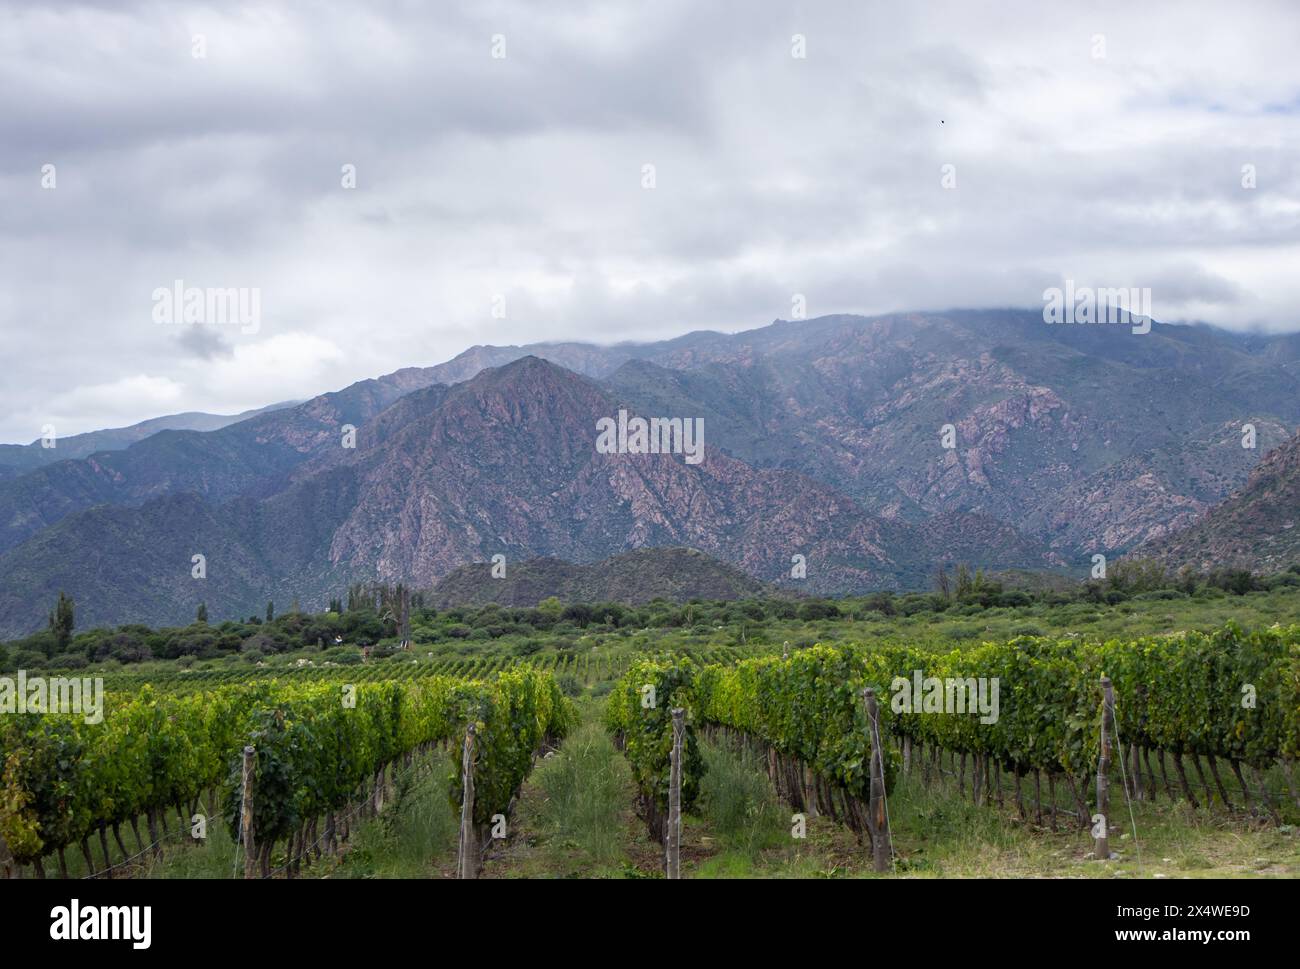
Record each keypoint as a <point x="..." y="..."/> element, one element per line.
<point x="521" y="177"/>
<point x="204" y="343"/>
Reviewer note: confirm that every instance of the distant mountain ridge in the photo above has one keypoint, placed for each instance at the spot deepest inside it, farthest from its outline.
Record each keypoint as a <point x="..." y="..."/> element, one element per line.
<point x="253" y="457"/>
<point x="502" y="463"/>
<point x="1085" y="437"/>
<point x="16" y="458"/>
<point x="823" y="440"/>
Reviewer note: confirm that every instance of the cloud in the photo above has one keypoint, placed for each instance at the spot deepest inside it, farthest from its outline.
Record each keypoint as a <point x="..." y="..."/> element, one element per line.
<point x="111" y="404"/>
<point x="204" y="343"/>
<point x="521" y="177"/>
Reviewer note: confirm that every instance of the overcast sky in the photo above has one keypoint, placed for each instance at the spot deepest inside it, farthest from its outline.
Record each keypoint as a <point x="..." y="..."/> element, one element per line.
<point x="520" y="179"/>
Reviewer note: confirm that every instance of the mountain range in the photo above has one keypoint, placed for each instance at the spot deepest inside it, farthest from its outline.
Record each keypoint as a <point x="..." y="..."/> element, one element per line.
<point x="824" y="439"/>
<point x="17" y="458"/>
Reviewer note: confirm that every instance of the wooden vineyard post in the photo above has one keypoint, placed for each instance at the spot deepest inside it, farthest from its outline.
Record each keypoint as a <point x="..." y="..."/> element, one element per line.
<point x="673" y="836"/>
<point x="246" y="813"/>
<point x="467" y="861"/>
<point x="1101" y="848"/>
<point x="878" y="825"/>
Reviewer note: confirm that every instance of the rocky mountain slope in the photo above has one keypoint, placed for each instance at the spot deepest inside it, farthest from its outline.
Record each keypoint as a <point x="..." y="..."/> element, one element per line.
<point x="503" y="463"/>
<point x="1258" y="528"/>
<point x="823" y="439"/>
<point x="253" y="457"/>
<point x="1090" y="438"/>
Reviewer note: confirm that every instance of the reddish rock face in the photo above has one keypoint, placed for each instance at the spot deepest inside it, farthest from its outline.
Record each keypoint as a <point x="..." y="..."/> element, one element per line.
<point x="508" y="462"/>
<point x="1083" y="439"/>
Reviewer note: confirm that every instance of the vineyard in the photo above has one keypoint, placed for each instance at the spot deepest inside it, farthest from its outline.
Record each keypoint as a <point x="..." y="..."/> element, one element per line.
<point x="1229" y="697"/>
<point x="586" y="668"/>
<point x="855" y="737"/>
<point x="316" y="749"/>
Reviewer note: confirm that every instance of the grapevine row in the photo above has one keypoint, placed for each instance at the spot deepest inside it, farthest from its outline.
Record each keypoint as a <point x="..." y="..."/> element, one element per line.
<point x="1229" y="694"/>
<point x="317" y="746"/>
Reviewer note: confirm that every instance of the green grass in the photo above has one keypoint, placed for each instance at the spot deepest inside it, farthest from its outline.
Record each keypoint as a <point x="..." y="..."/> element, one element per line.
<point x="575" y="817"/>
<point x="738" y="803"/>
<point x="414" y="836"/>
<point x="939" y="834"/>
<point x="583" y="788"/>
<point x="215" y="857"/>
